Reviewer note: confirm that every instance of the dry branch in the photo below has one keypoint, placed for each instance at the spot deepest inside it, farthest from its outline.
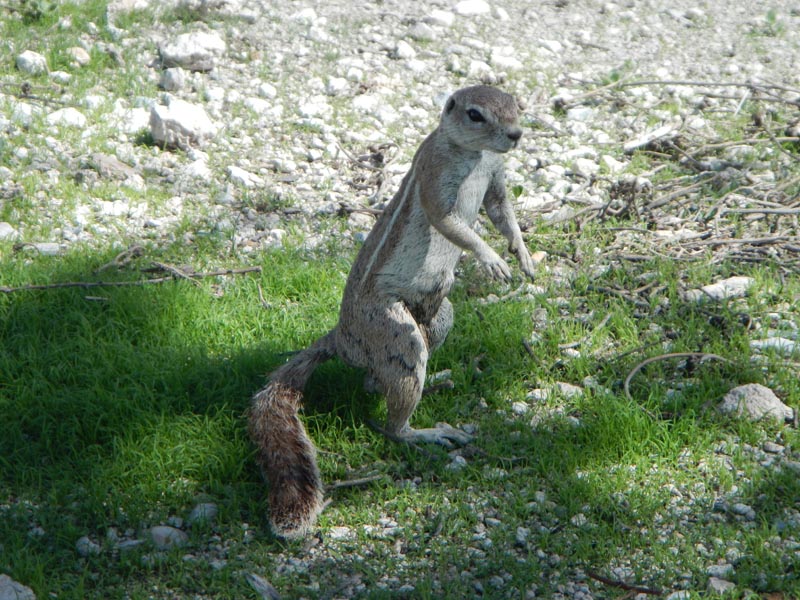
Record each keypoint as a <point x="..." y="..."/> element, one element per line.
<point x="701" y="355"/>
<point x="154" y="280"/>
<point x="624" y="586"/>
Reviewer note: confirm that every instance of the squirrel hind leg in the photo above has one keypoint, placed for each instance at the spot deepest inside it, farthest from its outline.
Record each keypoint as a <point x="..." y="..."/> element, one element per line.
<point x="440" y="325"/>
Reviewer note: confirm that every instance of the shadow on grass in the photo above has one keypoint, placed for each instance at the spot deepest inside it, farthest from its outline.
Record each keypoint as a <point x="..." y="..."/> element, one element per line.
<point x="87" y="376"/>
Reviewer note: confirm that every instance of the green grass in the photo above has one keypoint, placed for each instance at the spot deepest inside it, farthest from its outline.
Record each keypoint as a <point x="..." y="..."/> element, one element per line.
<point x="124" y="412"/>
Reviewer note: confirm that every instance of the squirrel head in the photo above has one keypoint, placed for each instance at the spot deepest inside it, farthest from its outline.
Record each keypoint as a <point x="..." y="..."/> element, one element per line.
<point x="481" y="117"/>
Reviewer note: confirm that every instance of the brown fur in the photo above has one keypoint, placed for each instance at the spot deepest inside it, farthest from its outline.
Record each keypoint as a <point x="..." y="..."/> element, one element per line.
<point x="395" y="310"/>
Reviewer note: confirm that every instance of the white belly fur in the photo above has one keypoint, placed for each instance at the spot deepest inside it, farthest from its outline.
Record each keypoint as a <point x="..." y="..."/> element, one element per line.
<point x="411" y="269"/>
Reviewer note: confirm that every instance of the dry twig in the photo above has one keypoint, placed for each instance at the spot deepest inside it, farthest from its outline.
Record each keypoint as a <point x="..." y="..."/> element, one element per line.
<point x="347" y="483"/>
<point x="140" y="282"/>
<point x="624" y="586"/>
<point x="701" y="355"/>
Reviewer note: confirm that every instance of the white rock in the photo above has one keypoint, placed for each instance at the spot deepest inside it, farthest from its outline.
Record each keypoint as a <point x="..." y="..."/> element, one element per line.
<point x="244" y="178"/>
<point x="720" y="571"/>
<point x="195" y="51"/>
<point x="181" y="124"/>
<point x="67" y="117"/>
<point x="755" y="402"/>
<point x="112" y="208"/>
<point x="366" y="102"/>
<point x="478" y="69"/>
<point x="11" y="590"/>
<point x="263" y="587"/>
<point x="94" y="101"/>
<point x="275" y="237"/>
<point x="457" y="463"/>
<point x="695" y="14"/>
<point x="403" y="50"/>
<point x="284" y="165"/>
<point x="779" y="344"/>
<point x="585" y="167"/>
<point x="579" y="520"/>
<point x="214" y="94"/>
<point x="87" y="547"/>
<point x="32" y="63"/>
<point x="422" y="32"/>
<point x="443" y="18"/>
<point x="315" y="107"/>
<point x="24" y="113"/>
<point x="7" y="232"/>
<point x="258" y="105"/>
<point x="581" y="113"/>
<point x="500" y="13"/>
<point x="612" y="164"/>
<point x="469" y="8"/>
<point x="341" y="533"/>
<point x="520" y="408"/>
<point x="336" y="85"/>
<point x="675" y="235"/>
<point x="197" y="169"/>
<point x="554" y="46"/>
<point x="319" y="35"/>
<point x="60" y="77"/>
<point x="165" y="537"/>
<point x="417" y="67"/>
<point x="733" y="287"/>
<point x="386" y="114"/>
<point x="559" y="189"/>
<point x="307" y="16"/>
<point x="132" y="120"/>
<point x="48" y="248"/>
<point x="504" y="62"/>
<point x="355" y="74"/>
<point x="522" y="536"/>
<point x="720" y="586"/>
<point x="79" y="56"/>
<point x="538" y="395"/>
<point x="205" y="511"/>
<point x="267" y="90"/>
<point x="123" y="6"/>
<point x="568" y="390"/>
<point x="173" y="79"/>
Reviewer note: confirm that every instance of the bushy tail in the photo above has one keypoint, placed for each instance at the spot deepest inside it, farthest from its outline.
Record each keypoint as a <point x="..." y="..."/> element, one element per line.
<point x="285" y="453"/>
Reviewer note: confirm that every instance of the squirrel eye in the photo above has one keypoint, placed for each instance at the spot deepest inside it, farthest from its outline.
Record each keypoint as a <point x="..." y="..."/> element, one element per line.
<point x="475" y="116"/>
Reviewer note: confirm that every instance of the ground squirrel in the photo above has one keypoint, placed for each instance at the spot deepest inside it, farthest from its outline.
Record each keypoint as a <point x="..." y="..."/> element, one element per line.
<point x="395" y="310"/>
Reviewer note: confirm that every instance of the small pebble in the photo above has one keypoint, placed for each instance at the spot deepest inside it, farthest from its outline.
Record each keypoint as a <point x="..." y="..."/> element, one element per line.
<point x="86" y="547"/>
<point x="165" y="537"/>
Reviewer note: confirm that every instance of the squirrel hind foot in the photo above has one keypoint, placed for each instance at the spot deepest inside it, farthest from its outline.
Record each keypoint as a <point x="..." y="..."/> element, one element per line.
<point x="442" y="435"/>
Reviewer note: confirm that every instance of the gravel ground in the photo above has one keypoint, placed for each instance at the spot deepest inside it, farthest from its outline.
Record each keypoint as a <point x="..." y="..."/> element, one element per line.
<point x="309" y="110"/>
<point x="291" y="96"/>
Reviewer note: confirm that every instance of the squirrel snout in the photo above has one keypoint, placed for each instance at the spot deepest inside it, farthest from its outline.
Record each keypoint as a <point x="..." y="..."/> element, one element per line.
<point x="514" y="134"/>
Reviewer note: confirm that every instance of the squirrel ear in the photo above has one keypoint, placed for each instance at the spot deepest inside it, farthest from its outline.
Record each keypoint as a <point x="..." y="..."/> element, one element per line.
<point x="450" y="105"/>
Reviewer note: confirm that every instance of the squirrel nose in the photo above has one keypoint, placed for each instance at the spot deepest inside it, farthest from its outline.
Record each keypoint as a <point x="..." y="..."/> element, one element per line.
<point x="515" y="134"/>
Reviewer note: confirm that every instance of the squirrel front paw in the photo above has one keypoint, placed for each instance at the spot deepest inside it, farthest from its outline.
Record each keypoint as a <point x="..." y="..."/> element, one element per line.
<point x="495" y="265"/>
